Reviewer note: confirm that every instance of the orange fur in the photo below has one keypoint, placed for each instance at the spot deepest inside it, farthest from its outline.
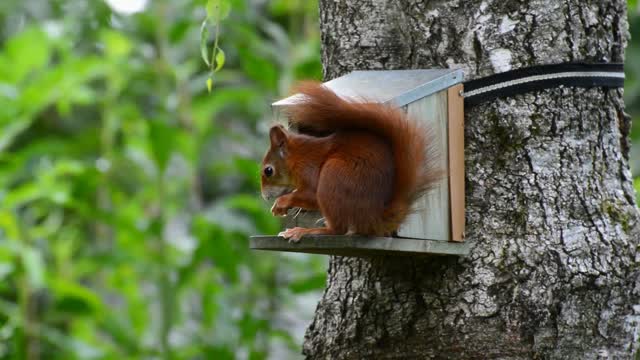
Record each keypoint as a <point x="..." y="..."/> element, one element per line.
<point x="363" y="176"/>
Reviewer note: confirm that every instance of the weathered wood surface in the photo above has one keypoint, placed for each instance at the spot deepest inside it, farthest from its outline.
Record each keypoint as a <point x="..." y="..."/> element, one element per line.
<point x="360" y="246"/>
<point x="553" y="272"/>
<point x="431" y="216"/>
<point x="455" y="104"/>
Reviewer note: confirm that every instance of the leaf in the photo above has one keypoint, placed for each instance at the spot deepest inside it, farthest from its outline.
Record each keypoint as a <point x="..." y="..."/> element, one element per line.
<point x="204" y="37"/>
<point x="218" y="10"/>
<point x="55" y="83"/>
<point x="251" y="326"/>
<point x="58" y="82"/>
<point x="75" y="299"/>
<point x="9" y="226"/>
<point x="249" y="168"/>
<point x="257" y="210"/>
<point x="259" y="68"/>
<point x="63" y="341"/>
<point x="121" y="332"/>
<point x="209" y="83"/>
<point x="219" y="353"/>
<point x="5" y="270"/>
<point x="34" y="267"/>
<point x="179" y="30"/>
<point x="314" y="282"/>
<point x="257" y="355"/>
<point x="215" y="243"/>
<point x="161" y="137"/>
<point x="285" y="337"/>
<point x="10" y="131"/>
<point x="22" y="194"/>
<point x="28" y="51"/>
<point x="116" y="44"/>
<point x="220" y="57"/>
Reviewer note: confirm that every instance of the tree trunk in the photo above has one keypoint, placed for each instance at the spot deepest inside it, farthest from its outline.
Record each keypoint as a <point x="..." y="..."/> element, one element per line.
<point x="553" y="273"/>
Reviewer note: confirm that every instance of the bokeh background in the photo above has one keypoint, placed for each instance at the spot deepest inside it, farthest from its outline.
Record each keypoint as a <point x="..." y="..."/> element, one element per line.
<point x="128" y="192"/>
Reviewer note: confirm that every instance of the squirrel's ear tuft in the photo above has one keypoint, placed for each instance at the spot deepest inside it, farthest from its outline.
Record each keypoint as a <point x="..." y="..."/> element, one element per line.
<point x="278" y="136"/>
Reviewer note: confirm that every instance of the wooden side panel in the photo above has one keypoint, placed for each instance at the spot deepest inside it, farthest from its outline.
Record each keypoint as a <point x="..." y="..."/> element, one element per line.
<point x="431" y="219"/>
<point x="456" y="161"/>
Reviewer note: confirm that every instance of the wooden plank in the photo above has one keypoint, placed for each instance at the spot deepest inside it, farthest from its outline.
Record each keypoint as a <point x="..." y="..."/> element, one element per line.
<point x="360" y="246"/>
<point x="456" y="162"/>
<point x="431" y="217"/>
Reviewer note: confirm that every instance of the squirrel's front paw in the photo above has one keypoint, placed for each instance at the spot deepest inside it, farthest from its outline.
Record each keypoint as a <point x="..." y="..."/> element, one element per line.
<point x="279" y="210"/>
<point x="293" y="235"/>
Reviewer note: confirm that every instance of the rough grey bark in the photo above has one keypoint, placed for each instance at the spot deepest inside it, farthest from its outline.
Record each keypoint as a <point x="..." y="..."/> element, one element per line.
<point x="554" y="271"/>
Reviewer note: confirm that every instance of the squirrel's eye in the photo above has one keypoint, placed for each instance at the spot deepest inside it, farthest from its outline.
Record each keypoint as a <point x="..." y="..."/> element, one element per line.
<point x="268" y="171"/>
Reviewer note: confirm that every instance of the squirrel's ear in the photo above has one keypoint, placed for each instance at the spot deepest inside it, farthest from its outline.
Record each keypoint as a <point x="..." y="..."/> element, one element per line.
<point x="278" y="136"/>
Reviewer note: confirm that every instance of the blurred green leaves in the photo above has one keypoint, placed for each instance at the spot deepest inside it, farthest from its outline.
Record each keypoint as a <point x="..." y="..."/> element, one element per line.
<point x="127" y="192"/>
<point x="74" y="299"/>
<point x="163" y="143"/>
<point x="217" y="10"/>
<point x="33" y="266"/>
<point x="27" y="52"/>
<point x="116" y="45"/>
<point x="632" y="84"/>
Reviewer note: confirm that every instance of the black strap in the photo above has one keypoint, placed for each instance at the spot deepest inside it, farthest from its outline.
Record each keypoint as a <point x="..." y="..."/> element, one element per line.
<point x="541" y="77"/>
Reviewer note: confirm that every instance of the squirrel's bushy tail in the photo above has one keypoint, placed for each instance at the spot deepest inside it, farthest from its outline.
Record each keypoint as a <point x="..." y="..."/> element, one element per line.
<point x="416" y="158"/>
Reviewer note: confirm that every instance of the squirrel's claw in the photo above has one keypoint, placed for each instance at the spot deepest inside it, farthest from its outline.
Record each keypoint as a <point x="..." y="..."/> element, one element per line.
<point x="292" y="235"/>
<point x="278" y="210"/>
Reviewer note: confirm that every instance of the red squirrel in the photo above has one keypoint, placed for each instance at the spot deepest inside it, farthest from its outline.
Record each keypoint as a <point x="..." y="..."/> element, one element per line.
<point x="362" y="174"/>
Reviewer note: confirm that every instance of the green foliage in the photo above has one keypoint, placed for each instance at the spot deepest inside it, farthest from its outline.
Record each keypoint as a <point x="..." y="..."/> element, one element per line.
<point x="127" y="192"/>
<point x="632" y="84"/>
<point x="217" y="10"/>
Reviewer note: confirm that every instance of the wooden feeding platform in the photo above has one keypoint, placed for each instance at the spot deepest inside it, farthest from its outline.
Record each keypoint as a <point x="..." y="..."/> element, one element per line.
<point x="345" y="245"/>
<point x="432" y="97"/>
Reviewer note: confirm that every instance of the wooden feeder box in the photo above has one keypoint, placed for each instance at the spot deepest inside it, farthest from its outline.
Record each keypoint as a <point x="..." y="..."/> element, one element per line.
<point x="437" y="226"/>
